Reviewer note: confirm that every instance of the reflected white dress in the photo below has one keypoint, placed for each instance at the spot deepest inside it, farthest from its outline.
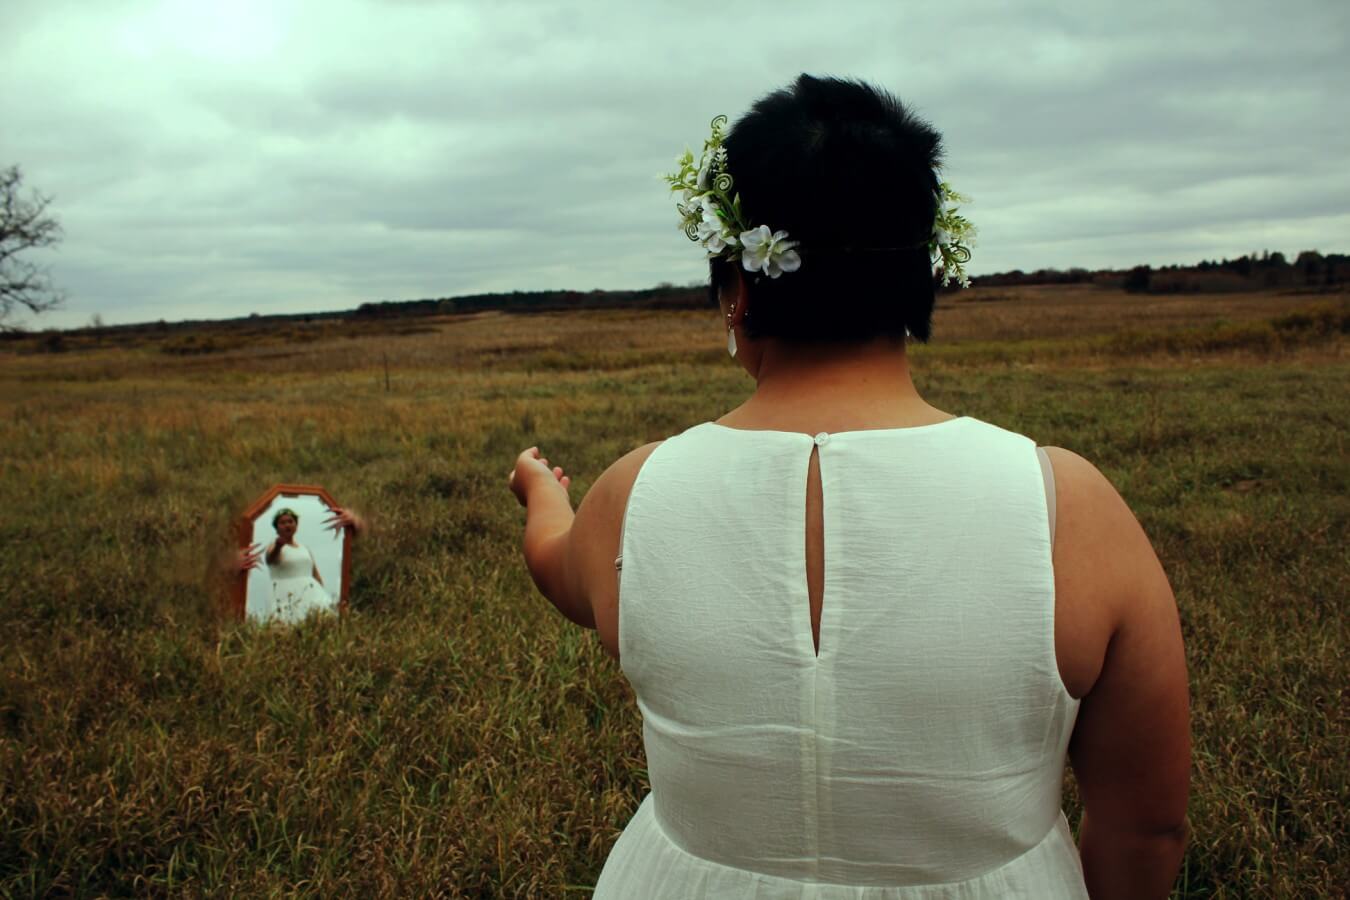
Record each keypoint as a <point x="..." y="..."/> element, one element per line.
<point x="920" y="755"/>
<point x="295" y="592"/>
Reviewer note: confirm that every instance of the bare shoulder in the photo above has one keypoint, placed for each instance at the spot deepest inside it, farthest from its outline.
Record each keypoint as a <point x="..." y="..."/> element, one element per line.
<point x="608" y="495"/>
<point x="1131" y="742"/>
<point x="621" y="474"/>
<point x="1081" y="477"/>
<point x="596" y="535"/>
<point x="1085" y="617"/>
<point x="1106" y="553"/>
<point x="1099" y="543"/>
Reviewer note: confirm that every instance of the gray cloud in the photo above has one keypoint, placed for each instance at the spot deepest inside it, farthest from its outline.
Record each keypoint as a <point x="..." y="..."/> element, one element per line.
<point x="221" y="159"/>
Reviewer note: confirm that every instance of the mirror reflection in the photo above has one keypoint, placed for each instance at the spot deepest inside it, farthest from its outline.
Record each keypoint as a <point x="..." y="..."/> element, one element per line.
<point x="295" y="556"/>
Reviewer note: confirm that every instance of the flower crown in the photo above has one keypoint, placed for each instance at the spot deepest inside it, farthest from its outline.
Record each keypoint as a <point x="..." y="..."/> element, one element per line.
<point x="710" y="215"/>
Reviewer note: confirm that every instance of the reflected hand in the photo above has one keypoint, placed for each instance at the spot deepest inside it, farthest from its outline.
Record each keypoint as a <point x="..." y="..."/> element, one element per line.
<point x="248" y="558"/>
<point x="532" y="472"/>
<point x="341" y="518"/>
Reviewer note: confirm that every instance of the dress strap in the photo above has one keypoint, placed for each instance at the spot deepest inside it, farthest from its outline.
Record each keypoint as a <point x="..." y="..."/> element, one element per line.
<point x="623" y="526"/>
<point x="1048" y="474"/>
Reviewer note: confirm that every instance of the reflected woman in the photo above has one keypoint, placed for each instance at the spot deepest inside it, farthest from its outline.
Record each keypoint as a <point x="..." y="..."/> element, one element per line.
<point x="290" y="563"/>
<point x="297" y="586"/>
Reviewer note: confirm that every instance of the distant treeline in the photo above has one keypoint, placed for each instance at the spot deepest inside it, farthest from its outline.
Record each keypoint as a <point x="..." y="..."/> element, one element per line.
<point x="383" y="313"/>
<point x="1251" y="272"/>
<point x="1246" y="273"/>
<point x="663" y="296"/>
<point x="1310" y="270"/>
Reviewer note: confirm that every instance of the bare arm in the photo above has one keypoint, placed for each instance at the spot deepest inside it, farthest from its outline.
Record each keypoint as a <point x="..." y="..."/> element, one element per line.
<point x="1131" y="748"/>
<point x="548" y="534"/>
<point x="571" y="556"/>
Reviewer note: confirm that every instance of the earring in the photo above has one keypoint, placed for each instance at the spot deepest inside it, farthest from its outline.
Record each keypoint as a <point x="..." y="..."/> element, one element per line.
<point x="731" y="334"/>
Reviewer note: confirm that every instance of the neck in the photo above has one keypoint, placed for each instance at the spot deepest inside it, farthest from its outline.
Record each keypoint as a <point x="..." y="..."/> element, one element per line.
<point x="836" y="386"/>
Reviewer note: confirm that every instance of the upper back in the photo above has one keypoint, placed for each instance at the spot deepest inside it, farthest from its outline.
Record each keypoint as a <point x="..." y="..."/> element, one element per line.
<point x="935" y="695"/>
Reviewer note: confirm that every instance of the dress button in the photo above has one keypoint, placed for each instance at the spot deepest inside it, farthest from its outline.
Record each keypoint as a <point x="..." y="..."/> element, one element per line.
<point x="821" y="439"/>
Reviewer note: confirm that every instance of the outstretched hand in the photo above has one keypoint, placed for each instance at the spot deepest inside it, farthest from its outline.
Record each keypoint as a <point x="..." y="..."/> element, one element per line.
<point x="532" y="473"/>
<point x="340" y="518"/>
<point x="248" y="558"/>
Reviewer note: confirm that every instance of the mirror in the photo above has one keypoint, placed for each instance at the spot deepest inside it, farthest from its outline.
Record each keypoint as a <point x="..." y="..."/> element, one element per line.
<point x="302" y="562"/>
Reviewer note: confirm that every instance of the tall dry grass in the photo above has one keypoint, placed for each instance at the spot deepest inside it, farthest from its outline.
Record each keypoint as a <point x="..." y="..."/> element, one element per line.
<point x="453" y="736"/>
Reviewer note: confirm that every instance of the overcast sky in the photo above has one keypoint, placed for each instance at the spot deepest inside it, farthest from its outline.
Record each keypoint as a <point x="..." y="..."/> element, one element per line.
<point x="212" y="159"/>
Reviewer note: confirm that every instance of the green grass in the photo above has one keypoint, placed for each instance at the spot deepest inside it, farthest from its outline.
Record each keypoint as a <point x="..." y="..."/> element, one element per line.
<point x="453" y="735"/>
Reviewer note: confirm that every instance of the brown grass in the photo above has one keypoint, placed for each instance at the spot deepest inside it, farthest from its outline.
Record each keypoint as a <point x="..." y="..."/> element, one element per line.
<point x="456" y="737"/>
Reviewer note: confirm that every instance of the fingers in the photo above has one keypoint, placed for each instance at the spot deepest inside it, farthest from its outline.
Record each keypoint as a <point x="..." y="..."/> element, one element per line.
<point x="533" y="455"/>
<point x="339" y="519"/>
<point x="248" y="560"/>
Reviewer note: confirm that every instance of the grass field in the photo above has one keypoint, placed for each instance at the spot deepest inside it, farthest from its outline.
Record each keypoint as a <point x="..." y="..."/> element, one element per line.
<point x="453" y="736"/>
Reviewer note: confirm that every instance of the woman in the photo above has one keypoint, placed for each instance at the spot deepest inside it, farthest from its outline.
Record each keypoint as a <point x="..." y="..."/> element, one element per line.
<point x="297" y="586"/>
<point x="339" y="518"/>
<point x="865" y="633"/>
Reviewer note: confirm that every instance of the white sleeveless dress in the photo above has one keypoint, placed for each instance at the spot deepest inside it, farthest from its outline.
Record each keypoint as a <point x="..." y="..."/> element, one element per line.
<point x="295" y="592"/>
<point x="921" y="754"/>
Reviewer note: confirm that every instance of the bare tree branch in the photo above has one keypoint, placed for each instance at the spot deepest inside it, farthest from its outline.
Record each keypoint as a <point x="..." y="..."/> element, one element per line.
<point x="24" y="225"/>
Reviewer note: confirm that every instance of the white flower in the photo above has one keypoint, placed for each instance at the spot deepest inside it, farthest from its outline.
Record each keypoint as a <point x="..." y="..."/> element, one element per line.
<point x="712" y="232"/>
<point x="690" y="209"/>
<point x="710" y="217"/>
<point x="769" y="252"/>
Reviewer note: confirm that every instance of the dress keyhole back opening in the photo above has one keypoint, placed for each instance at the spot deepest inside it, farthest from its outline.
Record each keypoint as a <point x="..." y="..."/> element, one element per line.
<point x="815" y="544"/>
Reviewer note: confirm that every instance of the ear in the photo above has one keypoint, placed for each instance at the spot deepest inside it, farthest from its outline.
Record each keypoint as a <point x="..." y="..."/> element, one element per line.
<point x="737" y="295"/>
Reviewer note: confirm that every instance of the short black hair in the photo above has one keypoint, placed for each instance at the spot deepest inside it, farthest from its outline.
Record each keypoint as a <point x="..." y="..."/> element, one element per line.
<point x="848" y="172"/>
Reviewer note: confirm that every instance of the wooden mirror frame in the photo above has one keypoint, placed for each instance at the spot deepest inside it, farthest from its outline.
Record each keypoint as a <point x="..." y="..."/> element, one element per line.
<point x="238" y="599"/>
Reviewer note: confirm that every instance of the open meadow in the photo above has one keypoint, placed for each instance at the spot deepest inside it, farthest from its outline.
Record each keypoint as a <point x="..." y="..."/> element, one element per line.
<point x="453" y="735"/>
